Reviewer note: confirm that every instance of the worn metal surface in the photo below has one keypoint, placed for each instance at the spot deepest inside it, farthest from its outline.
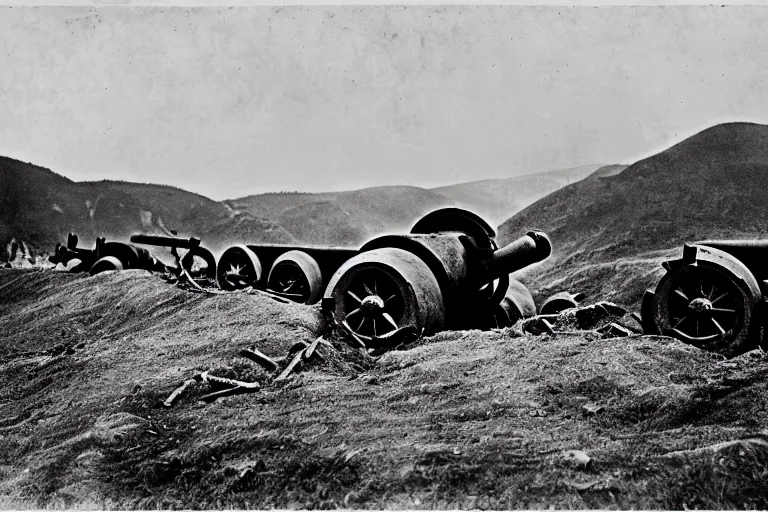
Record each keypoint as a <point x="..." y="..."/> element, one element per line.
<point x="382" y="290"/>
<point x="707" y="298"/>
<point x="296" y="275"/>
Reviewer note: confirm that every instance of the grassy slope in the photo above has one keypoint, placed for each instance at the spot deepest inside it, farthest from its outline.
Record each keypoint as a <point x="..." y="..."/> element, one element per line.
<point x="464" y="419"/>
<point x="610" y="233"/>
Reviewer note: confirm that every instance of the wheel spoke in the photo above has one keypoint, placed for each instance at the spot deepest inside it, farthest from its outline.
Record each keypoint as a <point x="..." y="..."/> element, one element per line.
<point x="358" y="299"/>
<point x="723" y="310"/>
<point x="679" y="322"/>
<point x="720" y="297"/>
<point x="291" y="284"/>
<point x="681" y="294"/>
<point x="389" y="319"/>
<point x="353" y="312"/>
<point x="374" y="320"/>
<point x="361" y="323"/>
<point x="390" y="298"/>
<point x="368" y="290"/>
<point x="717" y="326"/>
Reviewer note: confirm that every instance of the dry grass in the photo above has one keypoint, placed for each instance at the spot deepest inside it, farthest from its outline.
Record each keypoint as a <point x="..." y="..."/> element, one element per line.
<point x="463" y="420"/>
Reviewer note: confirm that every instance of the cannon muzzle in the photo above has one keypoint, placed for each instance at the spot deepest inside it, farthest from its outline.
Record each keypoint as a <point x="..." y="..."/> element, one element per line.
<point x="526" y="250"/>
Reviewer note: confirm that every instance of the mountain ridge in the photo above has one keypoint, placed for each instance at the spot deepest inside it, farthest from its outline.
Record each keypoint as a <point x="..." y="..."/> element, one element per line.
<point x="711" y="185"/>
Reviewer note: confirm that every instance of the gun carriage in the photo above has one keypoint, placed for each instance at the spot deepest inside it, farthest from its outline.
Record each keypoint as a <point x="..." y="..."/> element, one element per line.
<point x="713" y="297"/>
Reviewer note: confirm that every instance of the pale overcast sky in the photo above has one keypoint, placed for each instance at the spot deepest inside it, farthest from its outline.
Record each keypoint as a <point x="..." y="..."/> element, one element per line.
<point x="228" y="102"/>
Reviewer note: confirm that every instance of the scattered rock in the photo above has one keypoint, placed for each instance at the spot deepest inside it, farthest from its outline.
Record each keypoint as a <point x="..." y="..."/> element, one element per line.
<point x="590" y="409"/>
<point x="614" y="330"/>
<point x="595" y="315"/>
<point x="577" y="458"/>
<point x="538" y="325"/>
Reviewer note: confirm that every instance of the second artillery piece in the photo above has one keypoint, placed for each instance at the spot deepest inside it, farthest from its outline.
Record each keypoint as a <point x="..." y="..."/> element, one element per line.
<point x="447" y="273"/>
<point x="713" y="297"/>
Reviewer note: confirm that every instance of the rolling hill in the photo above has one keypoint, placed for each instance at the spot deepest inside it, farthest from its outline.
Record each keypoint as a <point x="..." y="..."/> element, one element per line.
<point x="353" y="217"/>
<point x="39" y="208"/>
<point x="611" y="230"/>
<point x="496" y="200"/>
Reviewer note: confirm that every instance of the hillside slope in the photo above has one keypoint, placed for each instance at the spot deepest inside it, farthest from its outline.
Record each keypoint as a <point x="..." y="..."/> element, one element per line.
<point x="490" y="420"/>
<point x="497" y="199"/>
<point x="343" y="218"/>
<point x="352" y="218"/>
<point x="39" y="207"/>
<point x="609" y="233"/>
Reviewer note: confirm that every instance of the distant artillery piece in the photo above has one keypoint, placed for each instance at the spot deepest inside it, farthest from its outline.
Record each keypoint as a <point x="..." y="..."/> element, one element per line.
<point x="122" y="256"/>
<point x="447" y="273"/>
<point x="104" y="256"/>
<point x="714" y="297"/>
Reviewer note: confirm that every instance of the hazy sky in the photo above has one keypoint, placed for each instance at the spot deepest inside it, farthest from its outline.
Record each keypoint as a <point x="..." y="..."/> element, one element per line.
<point x="233" y="101"/>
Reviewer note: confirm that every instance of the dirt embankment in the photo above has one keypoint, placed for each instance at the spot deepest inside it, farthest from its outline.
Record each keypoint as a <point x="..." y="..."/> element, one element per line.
<point x="462" y="419"/>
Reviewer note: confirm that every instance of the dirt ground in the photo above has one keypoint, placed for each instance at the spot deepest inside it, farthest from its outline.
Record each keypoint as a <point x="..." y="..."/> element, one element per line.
<point x="489" y="420"/>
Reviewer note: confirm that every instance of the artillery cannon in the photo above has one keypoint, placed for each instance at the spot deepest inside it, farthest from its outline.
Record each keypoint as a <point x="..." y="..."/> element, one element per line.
<point x="447" y="273"/>
<point x="104" y="256"/>
<point x="713" y="297"/>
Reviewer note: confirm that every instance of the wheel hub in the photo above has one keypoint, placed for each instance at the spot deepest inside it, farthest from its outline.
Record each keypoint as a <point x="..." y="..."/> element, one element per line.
<point x="700" y="305"/>
<point x="372" y="303"/>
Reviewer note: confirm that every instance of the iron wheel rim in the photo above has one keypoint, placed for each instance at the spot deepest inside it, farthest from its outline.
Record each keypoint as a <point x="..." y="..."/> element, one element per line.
<point x="288" y="280"/>
<point x="373" y="304"/>
<point x="704" y="305"/>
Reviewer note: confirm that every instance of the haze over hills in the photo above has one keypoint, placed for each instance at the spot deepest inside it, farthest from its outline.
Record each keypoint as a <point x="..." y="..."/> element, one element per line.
<point x="352" y="217"/>
<point x="39" y="208"/>
<point x="495" y="200"/>
<point x="609" y="232"/>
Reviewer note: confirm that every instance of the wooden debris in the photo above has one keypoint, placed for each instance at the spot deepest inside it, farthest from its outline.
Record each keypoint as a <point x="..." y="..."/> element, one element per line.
<point x="178" y="392"/>
<point x="222" y="381"/>
<point x="326" y="343"/>
<point x="197" y="286"/>
<point x="278" y="298"/>
<point x="354" y="336"/>
<point x="238" y="390"/>
<point x="263" y="360"/>
<point x="750" y="443"/>
<point x="311" y="349"/>
<point x="288" y="369"/>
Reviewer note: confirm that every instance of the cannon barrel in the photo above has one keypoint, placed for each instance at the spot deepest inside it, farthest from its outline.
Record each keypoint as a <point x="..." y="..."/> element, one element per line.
<point x="752" y="253"/>
<point x="166" y="241"/>
<point x="526" y="250"/>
